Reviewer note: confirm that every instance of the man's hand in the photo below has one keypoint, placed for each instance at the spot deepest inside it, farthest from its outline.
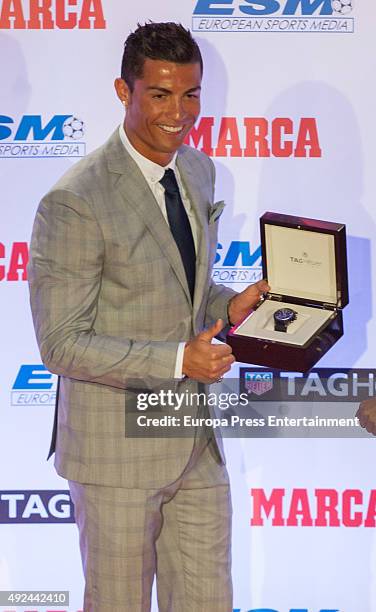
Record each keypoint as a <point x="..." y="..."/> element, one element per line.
<point x="204" y="361"/>
<point x="367" y="415"/>
<point x="240" y="305"/>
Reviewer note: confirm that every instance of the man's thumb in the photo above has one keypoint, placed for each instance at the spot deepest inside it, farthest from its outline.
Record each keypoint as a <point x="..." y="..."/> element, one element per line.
<point x="213" y="331"/>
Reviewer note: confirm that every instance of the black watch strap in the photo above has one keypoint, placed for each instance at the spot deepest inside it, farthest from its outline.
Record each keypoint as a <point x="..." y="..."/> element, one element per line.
<point x="281" y="327"/>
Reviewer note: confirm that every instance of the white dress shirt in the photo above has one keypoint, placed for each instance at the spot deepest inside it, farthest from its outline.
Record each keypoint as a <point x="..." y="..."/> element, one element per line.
<point x="153" y="173"/>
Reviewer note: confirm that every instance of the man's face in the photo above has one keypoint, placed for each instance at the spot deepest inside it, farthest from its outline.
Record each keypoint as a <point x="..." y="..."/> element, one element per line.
<point x="162" y="107"/>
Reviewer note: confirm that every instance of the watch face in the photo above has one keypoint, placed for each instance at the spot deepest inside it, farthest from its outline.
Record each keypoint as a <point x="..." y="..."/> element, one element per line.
<point x="285" y="315"/>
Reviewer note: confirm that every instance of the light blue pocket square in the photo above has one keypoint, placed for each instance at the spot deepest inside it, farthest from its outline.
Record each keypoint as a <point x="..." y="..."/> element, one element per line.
<point x="216" y="210"/>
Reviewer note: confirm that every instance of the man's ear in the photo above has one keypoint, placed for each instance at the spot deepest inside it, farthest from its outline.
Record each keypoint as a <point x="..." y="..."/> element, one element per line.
<point x="122" y="90"/>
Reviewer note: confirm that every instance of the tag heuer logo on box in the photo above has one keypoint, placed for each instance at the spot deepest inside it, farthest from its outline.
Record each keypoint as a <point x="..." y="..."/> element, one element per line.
<point x="258" y="382"/>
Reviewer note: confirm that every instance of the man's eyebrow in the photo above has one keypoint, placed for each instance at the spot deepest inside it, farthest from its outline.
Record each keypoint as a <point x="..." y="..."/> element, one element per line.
<point x="168" y="91"/>
<point x="156" y="88"/>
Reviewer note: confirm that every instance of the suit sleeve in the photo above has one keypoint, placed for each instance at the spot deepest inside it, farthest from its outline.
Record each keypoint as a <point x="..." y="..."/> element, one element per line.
<point x="219" y="297"/>
<point x="65" y="270"/>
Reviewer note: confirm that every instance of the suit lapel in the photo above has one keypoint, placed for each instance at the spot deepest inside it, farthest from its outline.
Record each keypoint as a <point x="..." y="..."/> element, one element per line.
<point x="189" y="180"/>
<point x="136" y="192"/>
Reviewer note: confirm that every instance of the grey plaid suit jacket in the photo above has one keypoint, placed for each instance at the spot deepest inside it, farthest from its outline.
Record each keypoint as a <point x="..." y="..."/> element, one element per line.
<point x="110" y="303"/>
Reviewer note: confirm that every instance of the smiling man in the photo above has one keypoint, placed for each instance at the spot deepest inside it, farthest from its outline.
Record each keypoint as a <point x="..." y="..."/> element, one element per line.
<point x="162" y="106"/>
<point x="123" y="301"/>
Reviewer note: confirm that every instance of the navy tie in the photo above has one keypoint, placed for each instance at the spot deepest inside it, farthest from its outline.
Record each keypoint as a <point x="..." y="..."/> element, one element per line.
<point x="180" y="226"/>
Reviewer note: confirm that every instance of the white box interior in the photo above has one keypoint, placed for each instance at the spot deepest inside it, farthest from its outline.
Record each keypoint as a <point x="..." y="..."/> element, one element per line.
<point x="260" y="323"/>
<point x="301" y="263"/>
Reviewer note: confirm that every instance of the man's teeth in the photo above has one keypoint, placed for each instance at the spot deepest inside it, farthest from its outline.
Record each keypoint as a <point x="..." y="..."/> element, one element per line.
<point x="169" y="128"/>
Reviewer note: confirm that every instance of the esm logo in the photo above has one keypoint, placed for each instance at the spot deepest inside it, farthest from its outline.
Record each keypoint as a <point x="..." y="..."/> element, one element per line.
<point x="33" y="136"/>
<point x="264" y="7"/>
<point x="273" y="16"/>
<point x="237" y="262"/>
<point x="34" y="386"/>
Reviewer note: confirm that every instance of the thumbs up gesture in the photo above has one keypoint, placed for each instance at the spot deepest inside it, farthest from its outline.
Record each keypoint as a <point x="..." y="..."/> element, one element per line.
<point x="204" y="361"/>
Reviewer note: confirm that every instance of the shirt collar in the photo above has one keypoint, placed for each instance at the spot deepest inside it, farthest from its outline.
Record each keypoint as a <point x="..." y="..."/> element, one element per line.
<point x="152" y="172"/>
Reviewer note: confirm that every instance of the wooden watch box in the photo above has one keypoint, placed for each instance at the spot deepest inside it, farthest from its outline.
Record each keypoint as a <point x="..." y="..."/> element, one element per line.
<point x="305" y="263"/>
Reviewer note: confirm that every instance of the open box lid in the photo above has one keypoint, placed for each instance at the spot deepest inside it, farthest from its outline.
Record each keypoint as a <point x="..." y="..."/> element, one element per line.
<point x="304" y="259"/>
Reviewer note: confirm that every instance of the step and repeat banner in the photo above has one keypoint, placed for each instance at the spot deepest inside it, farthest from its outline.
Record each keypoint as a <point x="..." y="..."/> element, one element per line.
<point x="288" y="107"/>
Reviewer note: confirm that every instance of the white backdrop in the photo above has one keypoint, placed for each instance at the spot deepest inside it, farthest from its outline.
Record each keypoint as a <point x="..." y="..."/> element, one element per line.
<point x="286" y="71"/>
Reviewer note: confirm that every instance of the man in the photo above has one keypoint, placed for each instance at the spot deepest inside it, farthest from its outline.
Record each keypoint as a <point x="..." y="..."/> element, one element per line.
<point x="122" y="300"/>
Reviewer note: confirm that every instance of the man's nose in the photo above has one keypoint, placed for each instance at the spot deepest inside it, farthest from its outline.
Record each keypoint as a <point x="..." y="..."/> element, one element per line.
<point x="176" y="109"/>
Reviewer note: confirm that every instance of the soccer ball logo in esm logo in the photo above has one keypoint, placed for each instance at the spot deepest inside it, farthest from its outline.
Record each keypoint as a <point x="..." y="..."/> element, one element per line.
<point x="258" y="382"/>
<point x="342" y="7"/>
<point x="283" y="16"/>
<point x="73" y="128"/>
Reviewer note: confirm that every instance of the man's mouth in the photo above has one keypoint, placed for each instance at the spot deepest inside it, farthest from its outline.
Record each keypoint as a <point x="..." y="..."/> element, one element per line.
<point x="171" y="129"/>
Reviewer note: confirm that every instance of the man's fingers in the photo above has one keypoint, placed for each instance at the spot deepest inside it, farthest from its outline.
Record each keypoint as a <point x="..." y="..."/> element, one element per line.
<point x="212" y="332"/>
<point x="369" y="426"/>
<point x="218" y="373"/>
<point x="221" y="365"/>
<point x="366" y="414"/>
<point x="220" y="351"/>
<point x="263" y="285"/>
<point x="223" y="362"/>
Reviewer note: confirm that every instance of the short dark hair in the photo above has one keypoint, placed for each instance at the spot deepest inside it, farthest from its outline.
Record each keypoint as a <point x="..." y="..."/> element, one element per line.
<point x="168" y="41"/>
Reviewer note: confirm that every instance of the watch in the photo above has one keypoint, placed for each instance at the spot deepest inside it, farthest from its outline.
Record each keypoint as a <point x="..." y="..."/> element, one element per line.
<point x="283" y="317"/>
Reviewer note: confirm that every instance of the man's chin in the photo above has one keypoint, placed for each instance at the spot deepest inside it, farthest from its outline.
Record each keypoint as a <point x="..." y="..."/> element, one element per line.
<point x="170" y="148"/>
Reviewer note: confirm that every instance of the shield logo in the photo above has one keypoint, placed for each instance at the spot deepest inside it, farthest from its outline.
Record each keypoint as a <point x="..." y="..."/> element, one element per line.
<point x="258" y="382"/>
